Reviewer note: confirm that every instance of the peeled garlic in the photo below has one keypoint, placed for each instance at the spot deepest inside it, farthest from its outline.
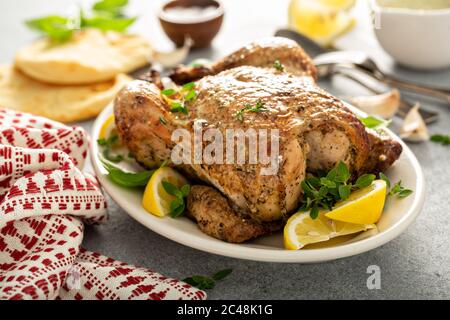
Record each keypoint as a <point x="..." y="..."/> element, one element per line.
<point x="413" y="127"/>
<point x="171" y="59"/>
<point x="384" y="105"/>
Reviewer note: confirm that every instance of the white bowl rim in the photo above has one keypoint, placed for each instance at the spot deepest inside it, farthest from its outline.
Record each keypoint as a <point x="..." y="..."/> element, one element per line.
<point x="274" y="255"/>
<point x="407" y="11"/>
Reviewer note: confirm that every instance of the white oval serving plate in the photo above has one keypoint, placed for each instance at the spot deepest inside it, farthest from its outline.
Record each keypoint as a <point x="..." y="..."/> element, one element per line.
<point x="397" y="216"/>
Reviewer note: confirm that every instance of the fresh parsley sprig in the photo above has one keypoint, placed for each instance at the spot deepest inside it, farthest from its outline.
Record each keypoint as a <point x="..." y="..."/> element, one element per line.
<point x="105" y="15"/>
<point x="441" y="138"/>
<point x="326" y="189"/>
<point x="259" y="107"/>
<point x="205" y="282"/>
<point x="177" y="206"/>
<point x="397" y="189"/>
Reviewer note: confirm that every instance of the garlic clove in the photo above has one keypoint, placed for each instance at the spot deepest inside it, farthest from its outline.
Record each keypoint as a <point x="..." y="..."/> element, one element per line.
<point x="175" y="57"/>
<point x="384" y="105"/>
<point x="413" y="127"/>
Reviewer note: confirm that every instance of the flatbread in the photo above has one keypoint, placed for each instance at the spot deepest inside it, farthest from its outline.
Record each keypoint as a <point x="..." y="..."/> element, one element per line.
<point x="90" y="56"/>
<point x="60" y="103"/>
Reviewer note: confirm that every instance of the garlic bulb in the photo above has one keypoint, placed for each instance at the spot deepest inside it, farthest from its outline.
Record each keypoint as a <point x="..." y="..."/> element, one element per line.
<point x="384" y="105"/>
<point x="171" y="59"/>
<point x="413" y="127"/>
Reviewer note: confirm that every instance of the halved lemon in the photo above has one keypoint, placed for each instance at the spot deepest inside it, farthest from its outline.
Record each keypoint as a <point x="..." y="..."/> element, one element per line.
<point x="323" y="20"/>
<point x="107" y="127"/>
<point x="363" y="206"/>
<point x="156" y="200"/>
<point x="301" y="230"/>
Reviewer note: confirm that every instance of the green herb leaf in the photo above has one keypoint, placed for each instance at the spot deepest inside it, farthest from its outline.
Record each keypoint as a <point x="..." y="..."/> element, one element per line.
<point x="204" y="282"/>
<point x="314" y="213"/>
<point x="344" y="191"/>
<point x="342" y="171"/>
<point x="365" y="180"/>
<point x="222" y="274"/>
<point x="114" y="7"/>
<point x="162" y="120"/>
<point x="57" y="28"/>
<point x="277" y="65"/>
<point x="400" y="191"/>
<point x="113" y="158"/>
<point x="168" y="92"/>
<point x="127" y="179"/>
<point x="373" y="122"/>
<point x="171" y="189"/>
<point x="190" y="95"/>
<point x="188" y="86"/>
<point x="327" y="183"/>
<point x="108" y="23"/>
<point x="386" y="179"/>
<point x="440" y="138"/>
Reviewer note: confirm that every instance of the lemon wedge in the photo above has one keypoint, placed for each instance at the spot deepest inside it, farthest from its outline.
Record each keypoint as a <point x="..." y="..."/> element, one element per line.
<point x="156" y="200"/>
<point x="363" y="206"/>
<point x="107" y="127"/>
<point x="323" y="20"/>
<point x="301" y="230"/>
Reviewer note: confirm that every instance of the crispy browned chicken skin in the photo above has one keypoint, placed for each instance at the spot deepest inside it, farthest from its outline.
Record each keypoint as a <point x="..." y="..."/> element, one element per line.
<point x="316" y="131"/>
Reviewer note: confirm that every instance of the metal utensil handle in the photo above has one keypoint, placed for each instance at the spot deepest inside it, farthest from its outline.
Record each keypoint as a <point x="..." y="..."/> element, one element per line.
<point x="441" y="94"/>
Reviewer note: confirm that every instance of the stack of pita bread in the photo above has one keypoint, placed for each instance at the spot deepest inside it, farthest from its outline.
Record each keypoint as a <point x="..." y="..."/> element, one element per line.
<point x="75" y="80"/>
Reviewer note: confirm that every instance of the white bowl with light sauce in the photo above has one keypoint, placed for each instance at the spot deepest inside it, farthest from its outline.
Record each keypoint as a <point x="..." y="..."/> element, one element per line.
<point x="416" y="33"/>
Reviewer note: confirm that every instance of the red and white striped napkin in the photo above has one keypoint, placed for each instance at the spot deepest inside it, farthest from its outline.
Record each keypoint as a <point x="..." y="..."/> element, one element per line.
<point x="44" y="201"/>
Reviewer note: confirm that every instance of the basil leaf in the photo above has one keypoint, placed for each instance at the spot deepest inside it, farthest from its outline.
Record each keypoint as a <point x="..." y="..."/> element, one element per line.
<point x="106" y="23"/>
<point x="168" y="92"/>
<point x="110" y="6"/>
<point x="222" y="274"/>
<point x="57" y="28"/>
<point x="440" y="138"/>
<point x="373" y="122"/>
<point x="178" y="210"/>
<point x="188" y="86"/>
<point x="127" y="179"/>
<point x="203" y="282"/>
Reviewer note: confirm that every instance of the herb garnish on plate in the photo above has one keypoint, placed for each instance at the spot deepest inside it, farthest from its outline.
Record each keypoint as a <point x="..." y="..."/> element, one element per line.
<point x="326" y="189"/>
<point x="187" y="93"/>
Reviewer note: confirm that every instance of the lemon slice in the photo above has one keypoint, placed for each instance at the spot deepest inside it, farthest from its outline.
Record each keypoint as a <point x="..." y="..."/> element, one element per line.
<point x="301" y="230"/>
<point x="324" y="20"/>
<point x="107" y="127"/>
<point x="156" y="200"/>
<point x="363" y="206"/>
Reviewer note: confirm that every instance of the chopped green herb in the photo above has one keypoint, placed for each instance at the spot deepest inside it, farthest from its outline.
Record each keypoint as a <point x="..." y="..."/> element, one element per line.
<point x="168" y="92"/>
<point x="113" y="158"/>
<point x="325" y="190"/>
<point x="259" y="107"/>
<point x="205" y="282"/>
<point x="373" y="122"/>
<point x="277" y="65"/>
<point x="440" y="138"/>
<point x="178" y="107"/>
<point x="188" y="86"/>
<point x="177" y="206"/>
<point x="162" y="120"/>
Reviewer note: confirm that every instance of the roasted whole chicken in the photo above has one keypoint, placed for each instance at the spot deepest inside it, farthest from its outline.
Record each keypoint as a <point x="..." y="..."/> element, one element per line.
<point x="235" y="202"/>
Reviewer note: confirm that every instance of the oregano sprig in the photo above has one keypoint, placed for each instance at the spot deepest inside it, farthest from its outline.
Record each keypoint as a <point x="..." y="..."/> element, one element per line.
<point x="177" y="206"/>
